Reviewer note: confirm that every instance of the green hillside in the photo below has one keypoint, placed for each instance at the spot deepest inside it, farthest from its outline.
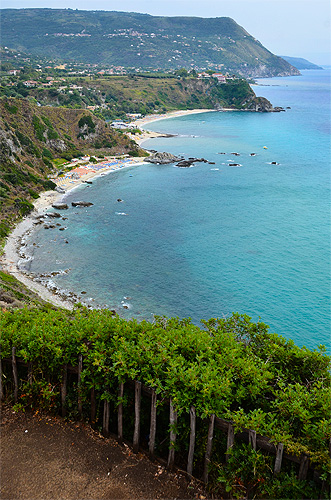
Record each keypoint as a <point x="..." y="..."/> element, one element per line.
<point x="35" y="139"/>
<point x="139" y="41"/>
<point x="300" y="63"/>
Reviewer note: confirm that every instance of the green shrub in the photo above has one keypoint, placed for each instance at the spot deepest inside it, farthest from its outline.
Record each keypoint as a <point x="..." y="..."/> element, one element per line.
<point x="12" y="109"/>
<point x="47" y="153"/>
<point x="33" y="194"/>
<point x="4" y="229"/>
<point x="52" y="134"/>
<point x="24" y="206"/>
<point x="39" y="128"/>
<point x="87" y="120"/>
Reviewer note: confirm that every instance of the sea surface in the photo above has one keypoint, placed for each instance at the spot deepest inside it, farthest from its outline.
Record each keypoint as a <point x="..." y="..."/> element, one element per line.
<point x="205" y="241"/>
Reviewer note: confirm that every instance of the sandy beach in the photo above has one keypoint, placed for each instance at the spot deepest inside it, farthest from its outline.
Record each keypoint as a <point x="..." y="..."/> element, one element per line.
<point x="13" y="252"/>
<point x="146" y="134"/>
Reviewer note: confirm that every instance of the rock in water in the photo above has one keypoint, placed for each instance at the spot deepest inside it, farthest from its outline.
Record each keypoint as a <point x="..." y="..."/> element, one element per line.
<point x="81" y="203"/>
<point x="60" y="206"/>
<point x="162" y="158"/>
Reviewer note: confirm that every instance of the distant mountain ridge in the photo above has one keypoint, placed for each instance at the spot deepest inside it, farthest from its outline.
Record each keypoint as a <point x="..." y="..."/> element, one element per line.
<point x="140" y="41"/>
<point x="300" y="63"/>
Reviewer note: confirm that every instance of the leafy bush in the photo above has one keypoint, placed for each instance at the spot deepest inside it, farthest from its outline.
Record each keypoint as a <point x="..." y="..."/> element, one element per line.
<point x="47" y="162"/>
<point x="33" y="194"/>
<point x="12" y="109"/>
<point x="39" y="128"/>
<point x="49" y="185"/>
<point x="24" y="206"/>
<point x="232" y="367"/>
<point x="46" y="152"/>
<point x="52" y="134"/>
<point x="4" y="229"/>
<point x="87" y="120"/>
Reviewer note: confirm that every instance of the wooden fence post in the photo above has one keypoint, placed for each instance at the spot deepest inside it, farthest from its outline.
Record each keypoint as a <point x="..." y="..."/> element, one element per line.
<point x="304" y="465"/>
<point x="173" y="422"/>
<point x="279" y="458"/>
<point x="80" y="367"/>
<point x="252" y="438"/>
<point x="64" y="389"/>
<point x="230" y="440"/>
<point x="209" y="447"/>
<point x="1" y="386"/>
<point x="93" y="406"/>
<point x="30" y="373"/>
<point x="137" y="401"/>
<point x="105" y="421"/>
<point x="14" y="365"/>
<point x="192" y="441"/>
<point x="152" y="430"/>
<point x="120" y="414"/>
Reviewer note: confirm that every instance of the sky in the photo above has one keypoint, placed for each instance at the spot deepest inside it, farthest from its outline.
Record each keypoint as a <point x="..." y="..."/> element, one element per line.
<point x="297" y="28"/>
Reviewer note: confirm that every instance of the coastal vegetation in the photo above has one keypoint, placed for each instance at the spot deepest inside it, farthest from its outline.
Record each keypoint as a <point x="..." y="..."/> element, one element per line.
<point x="232" y="367"/>
<point x="139" y="41"/>
<point x="116" y="96"/>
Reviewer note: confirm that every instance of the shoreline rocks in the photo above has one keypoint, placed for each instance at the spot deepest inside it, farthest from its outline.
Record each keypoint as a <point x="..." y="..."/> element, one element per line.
<point x="60" y="206"/>
<point x="162" y="158"/>
<point x="81" y="203"/>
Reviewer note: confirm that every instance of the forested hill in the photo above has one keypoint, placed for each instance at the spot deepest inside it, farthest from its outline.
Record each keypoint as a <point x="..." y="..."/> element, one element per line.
<point x="300" y="63"/>
<point x="140" y="41"/>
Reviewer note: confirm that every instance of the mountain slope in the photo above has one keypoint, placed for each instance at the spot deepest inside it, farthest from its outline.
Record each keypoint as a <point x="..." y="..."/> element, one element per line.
<point x="140" y="40"/>
<point x="300" y="63"/>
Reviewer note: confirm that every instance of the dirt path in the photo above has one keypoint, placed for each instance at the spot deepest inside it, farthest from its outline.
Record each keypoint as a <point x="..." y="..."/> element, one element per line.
<point x="48" y="458"/>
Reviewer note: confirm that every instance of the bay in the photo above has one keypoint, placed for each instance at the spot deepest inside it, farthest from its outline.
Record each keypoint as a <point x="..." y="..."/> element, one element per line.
<point x="212" y="239"/>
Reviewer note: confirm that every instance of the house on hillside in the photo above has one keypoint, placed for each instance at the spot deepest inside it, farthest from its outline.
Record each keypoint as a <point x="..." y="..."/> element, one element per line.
<point x="30" y="83"/>
<point x="220" y="77"/>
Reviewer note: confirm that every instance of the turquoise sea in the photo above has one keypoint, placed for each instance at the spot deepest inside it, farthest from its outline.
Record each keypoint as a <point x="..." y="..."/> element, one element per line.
<point x="204" y="241"/>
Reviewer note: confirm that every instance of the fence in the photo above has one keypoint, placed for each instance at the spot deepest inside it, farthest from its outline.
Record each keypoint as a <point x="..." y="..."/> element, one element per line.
<point x="246" y="435"/>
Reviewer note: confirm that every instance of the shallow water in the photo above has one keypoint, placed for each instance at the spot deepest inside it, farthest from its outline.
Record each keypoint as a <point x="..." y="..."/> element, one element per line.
<point x="208" y="240"/>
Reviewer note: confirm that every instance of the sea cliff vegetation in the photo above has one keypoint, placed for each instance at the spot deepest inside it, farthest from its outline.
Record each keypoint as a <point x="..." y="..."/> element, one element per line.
<point x="230" y="367"/>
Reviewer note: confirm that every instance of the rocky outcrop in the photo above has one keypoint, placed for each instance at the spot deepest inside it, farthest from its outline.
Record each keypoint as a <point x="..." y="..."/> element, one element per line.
<point x="260" y="104"/>
<point x="60" y="206"/>
<point x="190" y="161"/>
<point x="81" y="204"/>
<point x="162" y="158"/>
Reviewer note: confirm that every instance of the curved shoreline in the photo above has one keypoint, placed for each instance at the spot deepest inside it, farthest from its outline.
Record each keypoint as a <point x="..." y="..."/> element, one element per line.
<point x="147" y="134"/>
<point x="13" y="252"/>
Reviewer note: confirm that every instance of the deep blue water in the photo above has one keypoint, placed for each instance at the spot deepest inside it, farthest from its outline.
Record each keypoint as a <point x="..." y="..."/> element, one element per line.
<point x="205" y="241"/>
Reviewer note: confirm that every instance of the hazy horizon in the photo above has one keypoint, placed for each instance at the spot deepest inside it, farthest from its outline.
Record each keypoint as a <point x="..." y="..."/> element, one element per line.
<point x="286" y="28"/>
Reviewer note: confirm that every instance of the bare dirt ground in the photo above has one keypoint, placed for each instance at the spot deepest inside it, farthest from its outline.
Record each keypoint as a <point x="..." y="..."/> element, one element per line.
<point x="48" y="458"/>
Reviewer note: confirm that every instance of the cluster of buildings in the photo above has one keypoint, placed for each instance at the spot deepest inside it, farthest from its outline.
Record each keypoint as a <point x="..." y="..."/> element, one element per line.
<point x="220" y="77"/>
